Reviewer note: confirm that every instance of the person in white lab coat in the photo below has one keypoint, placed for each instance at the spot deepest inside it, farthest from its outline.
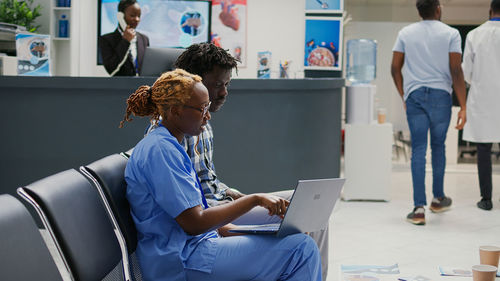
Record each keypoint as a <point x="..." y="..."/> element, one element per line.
<point x="481" y="66"/>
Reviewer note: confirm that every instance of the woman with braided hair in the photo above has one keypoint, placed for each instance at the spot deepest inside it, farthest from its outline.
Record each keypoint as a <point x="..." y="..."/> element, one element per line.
<point x="179" y="236"/>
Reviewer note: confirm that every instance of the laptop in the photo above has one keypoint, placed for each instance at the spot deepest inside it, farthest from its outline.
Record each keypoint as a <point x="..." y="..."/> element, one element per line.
<point x="309" y="210"/>
<point x="159" y="60"/>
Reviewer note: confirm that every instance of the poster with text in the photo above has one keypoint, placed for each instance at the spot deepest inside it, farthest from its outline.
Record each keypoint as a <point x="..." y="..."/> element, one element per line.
<point x="229" y="27"/>
<point x="264" y="65"/>
<point x="33" y="52"/>
<point x="324" y="6"/>
<point x="323" y="43"/>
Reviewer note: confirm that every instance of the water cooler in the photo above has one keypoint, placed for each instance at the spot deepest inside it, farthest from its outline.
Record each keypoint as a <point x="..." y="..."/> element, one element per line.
<point x="367" y="144"/>
<point x="361" y="70"/>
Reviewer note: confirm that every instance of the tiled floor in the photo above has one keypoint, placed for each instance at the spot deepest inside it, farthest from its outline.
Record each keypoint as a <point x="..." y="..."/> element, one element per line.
<point x="376" y="233"/>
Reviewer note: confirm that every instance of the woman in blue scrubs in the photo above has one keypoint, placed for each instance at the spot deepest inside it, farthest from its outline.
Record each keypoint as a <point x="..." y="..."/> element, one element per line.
<point x="179" y="237"/>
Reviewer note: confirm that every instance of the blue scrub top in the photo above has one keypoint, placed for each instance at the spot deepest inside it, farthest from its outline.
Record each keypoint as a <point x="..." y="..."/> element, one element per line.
<point x="161" y="185"/>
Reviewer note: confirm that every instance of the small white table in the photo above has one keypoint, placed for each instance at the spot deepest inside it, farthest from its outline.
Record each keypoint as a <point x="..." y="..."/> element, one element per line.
<point x="367" y="161"/>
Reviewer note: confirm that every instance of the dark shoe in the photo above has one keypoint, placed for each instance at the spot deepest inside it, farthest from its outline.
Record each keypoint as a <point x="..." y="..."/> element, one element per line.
<point x="485" y="204"/>
<point x="417" y="216"/>
<point x="440" y="205"/>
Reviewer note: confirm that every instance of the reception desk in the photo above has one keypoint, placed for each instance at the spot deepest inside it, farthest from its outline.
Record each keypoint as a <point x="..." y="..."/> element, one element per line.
<point x="269" y="134"/>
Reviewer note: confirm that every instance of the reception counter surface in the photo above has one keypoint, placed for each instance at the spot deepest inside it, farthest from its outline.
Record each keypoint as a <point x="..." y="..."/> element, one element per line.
<point x="269" y="134"/>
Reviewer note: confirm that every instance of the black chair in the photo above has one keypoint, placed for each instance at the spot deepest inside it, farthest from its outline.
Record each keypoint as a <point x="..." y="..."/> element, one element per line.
<point x="70" y="208"/>
<point x="23" y="253"/>
<point x="107" y="175"/>
<point x="401" y="143"/>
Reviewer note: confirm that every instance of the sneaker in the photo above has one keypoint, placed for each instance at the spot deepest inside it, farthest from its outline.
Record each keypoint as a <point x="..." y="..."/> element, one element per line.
<point x="485" y="204"/>
<point x="417" y="216"/>
<point x="439" y="205"/>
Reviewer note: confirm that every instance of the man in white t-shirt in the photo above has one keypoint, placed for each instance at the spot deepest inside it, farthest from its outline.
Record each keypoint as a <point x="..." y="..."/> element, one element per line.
<point x="482" y="71"/>
<point x="426" y="68"/>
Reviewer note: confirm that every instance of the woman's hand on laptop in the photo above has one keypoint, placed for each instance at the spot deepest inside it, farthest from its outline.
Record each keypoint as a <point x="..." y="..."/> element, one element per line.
<point x="224" y="230"/>
<point x="274" y="204"/>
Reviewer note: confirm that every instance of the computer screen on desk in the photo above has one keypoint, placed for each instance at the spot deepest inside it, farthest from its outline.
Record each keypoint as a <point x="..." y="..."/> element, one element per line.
<point x="158" y="60"/>
<point x="167" y="23"/>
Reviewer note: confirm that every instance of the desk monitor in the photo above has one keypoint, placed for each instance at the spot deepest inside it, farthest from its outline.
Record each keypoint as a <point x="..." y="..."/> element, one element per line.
<point x="167" y="23"/>
<point x="159" y="60"/>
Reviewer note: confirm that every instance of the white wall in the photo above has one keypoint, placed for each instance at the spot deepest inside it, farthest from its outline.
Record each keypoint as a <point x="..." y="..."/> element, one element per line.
<point x="452" y="14"/>
<point x="278" y="26"/>
<point x="382" y="23"/>
<point x="87" y="59"/>
<point x="44" y="19"/>
<point x="385" y="34"/>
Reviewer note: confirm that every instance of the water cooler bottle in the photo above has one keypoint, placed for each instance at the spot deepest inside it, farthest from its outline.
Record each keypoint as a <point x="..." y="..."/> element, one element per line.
<point x="367" y="144"/>
<point x="361" y="69"/>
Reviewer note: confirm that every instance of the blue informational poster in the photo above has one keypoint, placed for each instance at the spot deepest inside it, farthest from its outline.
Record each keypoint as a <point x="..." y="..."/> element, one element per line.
<point x="323" y="43"/>
<point x="33" y="54"/>
<point x="324" y="6"/>
<point x="264" y="65"/>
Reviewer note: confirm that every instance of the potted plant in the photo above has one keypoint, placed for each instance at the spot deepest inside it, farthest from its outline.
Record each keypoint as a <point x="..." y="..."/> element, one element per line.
<point x="20" y="13"/>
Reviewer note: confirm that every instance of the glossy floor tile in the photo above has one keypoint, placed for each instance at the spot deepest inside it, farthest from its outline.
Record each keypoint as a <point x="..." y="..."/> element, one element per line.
<point x="376" y="233"/>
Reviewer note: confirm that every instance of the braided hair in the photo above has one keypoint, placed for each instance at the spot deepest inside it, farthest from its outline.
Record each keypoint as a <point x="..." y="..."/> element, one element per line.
<point x="170" y="89"/>
<point x="202" y="58"/>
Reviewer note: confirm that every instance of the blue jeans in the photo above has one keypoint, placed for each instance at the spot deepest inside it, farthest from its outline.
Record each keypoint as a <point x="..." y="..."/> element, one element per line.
<point x="427" y="110"/>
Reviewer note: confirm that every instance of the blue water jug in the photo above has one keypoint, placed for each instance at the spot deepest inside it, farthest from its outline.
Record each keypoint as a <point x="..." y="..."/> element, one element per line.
<point x="361" y="60"/>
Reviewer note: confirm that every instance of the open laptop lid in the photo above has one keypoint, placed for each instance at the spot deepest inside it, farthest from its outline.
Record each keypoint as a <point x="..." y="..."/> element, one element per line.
<point x="311" y="206"/>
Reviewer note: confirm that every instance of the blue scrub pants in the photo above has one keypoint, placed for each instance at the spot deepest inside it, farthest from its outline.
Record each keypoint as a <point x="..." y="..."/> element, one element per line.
<point x="262" y="257"/>
<point x="428" y="110"/>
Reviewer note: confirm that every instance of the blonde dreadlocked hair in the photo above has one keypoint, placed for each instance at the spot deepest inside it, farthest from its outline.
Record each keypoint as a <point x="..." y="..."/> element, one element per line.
<point x="170" y="89"/>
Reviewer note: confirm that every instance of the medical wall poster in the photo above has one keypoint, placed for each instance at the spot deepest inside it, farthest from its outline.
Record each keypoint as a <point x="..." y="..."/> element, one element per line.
<point x="324" y="6"/>
<point x="264" y="65"/>
<point x="33" y="54"/>
<point x="229" y="27"/>
<point x="323" y="43"/>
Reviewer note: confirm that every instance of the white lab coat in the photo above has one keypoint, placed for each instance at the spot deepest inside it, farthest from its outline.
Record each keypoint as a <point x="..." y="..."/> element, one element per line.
<point x="481" y="65"/>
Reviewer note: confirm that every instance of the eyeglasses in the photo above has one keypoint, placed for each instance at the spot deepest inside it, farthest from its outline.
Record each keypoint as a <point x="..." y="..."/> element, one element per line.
<point x="203" y="110"/>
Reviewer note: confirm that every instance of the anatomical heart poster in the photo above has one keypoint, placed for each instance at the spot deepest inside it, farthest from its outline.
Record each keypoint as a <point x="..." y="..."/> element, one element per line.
<point x="229" y="27"/>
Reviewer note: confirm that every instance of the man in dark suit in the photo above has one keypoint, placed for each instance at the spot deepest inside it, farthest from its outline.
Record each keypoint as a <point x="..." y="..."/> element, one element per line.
<point x="123" y="50"/>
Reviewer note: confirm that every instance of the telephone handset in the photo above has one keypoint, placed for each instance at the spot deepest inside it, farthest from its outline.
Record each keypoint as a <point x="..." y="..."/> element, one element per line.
<point x="121" y="20"/>
<point x="123" y="26"/>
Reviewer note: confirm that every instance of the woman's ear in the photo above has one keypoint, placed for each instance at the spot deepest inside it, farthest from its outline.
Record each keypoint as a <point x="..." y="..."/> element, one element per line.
<point x="175" y="110"/>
